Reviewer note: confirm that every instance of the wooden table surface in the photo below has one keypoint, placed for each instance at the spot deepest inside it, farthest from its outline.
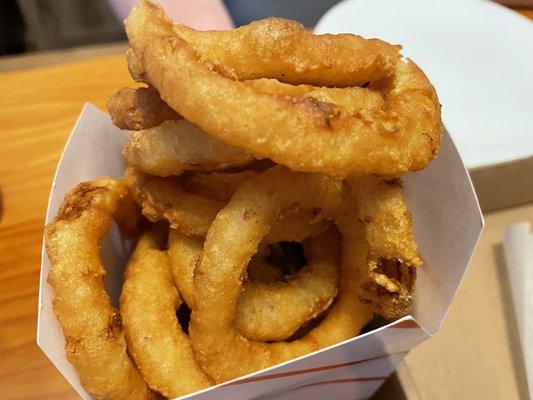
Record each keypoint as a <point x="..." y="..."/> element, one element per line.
<point x="38" y="109"/>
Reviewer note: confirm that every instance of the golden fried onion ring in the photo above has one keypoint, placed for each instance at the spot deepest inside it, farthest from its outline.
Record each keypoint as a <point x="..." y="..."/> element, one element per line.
<point x="266" y="311"/>
<point x="282" y="49"/>
<point x="94" y="336"/>
<point x="175" y="146"/>
<point x="353" y="99"/>
<point x="392" y="258"/>
<point x="148" y="306"/>
<point x="300" y="132"/>
<point x="140" y="108"/>
<point x="233" y="238"/>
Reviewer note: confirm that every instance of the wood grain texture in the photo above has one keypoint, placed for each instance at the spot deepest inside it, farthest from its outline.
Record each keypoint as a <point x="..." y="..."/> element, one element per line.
<point x="38" y="109"/>
<point x="61" y="56"/>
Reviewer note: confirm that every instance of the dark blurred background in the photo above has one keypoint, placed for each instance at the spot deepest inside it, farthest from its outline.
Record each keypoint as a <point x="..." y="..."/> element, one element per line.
<point x="36" y="25"/>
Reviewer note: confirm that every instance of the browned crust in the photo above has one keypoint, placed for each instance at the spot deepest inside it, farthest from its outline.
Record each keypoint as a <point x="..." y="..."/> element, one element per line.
<point x="141" y="108"/>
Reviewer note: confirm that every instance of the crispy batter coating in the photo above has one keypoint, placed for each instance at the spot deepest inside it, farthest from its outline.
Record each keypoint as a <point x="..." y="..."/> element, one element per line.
<point x="266" y="311"/>
<point x="388" y="284"/>
<point x="297" y="225"/>
<point x="233" y="238"/>
<point x="140" y="108"/>
<point x="183" y="253"/>
<point x="175" y="146"/>
<point x="94" y="337"/>
<point x="282" y="49"/>
<point x="302" y="133"/>
<point x="192" y="214"/>
<point x="353" y="99"/>
<point x="148" y="306"/>
<point x="165" y="199"/>
<point x="134" y="67"/>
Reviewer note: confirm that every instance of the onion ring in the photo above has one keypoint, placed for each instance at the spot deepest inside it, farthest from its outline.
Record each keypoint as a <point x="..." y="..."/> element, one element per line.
<point x="175" y="146"/>
<point x="191" y="214"/>
<point x="392" y="256"/>
<point x="232" y="239"/>
<point x="353" y="99"/>
<point x="263" y="311"/>
<point x="282" y="49"/>
<point x="148" y="306"/>
<point x="94" y="337"/>
<point x="140" y="108"/>
<point x="404" y="135"/>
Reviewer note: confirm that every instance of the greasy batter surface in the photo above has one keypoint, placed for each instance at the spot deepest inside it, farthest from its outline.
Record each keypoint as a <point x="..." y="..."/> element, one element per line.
<point x="94" y="336"/>
<point x="388" y="284"/>
<point x="282" y="49"/>
<point x="300" y="132"/>
<point x="175" y="146"/>
<point x="140" y="108"/>
<point x="148" y="306"/>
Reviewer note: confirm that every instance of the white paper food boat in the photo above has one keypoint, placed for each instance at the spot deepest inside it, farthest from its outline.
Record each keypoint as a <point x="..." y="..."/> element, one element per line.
<point x="447" y="223"/>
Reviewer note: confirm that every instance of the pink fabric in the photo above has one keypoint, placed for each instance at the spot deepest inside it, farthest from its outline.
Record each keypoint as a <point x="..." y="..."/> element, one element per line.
<point x="198" y="14"/>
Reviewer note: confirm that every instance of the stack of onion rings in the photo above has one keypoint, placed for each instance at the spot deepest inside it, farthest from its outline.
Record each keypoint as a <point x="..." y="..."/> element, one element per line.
<point x="192" y="214"/>
<point x="246" y="144"/>
<point x="402" y="135"/>
<point x="262" y="313"/>
<point x="232" y="239"/>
